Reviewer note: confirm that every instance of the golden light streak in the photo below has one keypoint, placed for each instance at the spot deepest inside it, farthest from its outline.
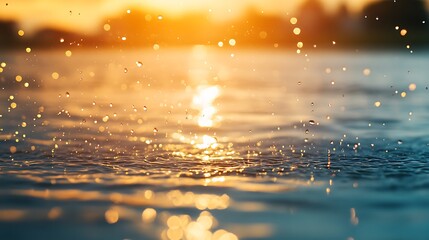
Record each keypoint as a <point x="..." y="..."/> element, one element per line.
<point x="11" y="215"/>
<point x="203" y="102"/>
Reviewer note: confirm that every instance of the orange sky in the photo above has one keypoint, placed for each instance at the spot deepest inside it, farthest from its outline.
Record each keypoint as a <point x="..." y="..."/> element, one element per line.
<point x="86" y="15"/>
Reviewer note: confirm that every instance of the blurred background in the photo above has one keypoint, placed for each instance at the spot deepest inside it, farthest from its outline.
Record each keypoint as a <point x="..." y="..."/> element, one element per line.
<point x="254" y="23"/>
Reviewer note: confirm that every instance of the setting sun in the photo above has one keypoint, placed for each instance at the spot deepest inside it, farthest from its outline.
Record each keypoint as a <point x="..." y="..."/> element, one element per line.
<point x="80" y="15"/>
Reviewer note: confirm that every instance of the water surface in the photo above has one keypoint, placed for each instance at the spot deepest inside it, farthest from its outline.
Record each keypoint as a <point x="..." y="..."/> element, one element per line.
<point x="198" y="143"/>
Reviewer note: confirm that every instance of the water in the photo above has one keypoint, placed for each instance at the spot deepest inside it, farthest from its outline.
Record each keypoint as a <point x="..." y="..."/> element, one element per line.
<point x="199" y="143"/>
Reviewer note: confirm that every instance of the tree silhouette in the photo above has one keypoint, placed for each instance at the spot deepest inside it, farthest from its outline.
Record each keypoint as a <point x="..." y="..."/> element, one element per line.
<point x="8" y="33"/>
<point x="383" y="15"/>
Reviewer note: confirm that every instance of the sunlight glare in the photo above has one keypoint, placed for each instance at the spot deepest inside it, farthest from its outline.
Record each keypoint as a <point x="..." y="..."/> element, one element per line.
<point x="203" y="102"/>
<point x="207" y="142"/>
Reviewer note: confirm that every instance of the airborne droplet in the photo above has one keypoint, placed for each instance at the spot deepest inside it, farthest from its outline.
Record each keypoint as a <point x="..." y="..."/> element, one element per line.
<point x="377" y="104"/>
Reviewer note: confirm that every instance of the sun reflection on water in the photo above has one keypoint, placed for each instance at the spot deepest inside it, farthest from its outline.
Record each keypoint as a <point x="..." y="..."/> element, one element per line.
<point x="180" y="161"/>
<point x="203" y="102"/>
<point x="153" y="208"/>
<point x="183" y="227"/>
<point x="207" y="142"/>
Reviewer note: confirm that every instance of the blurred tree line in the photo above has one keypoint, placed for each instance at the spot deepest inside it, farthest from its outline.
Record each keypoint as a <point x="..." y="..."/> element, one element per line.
<point x="378" y="24"/>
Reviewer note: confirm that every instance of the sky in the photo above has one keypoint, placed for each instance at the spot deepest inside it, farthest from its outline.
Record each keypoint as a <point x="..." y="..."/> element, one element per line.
<point x="87" y="15"/>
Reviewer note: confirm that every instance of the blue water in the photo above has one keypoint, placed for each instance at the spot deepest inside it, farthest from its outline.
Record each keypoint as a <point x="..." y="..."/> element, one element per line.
<point x="199" y="143"/>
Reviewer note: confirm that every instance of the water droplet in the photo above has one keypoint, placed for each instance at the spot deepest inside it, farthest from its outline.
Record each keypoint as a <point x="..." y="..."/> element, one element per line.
<point x="67" y="94"/>
<point x="55" y="75"/>
<point x="296" y="31"/>
<point x="18" y="78"/>
<point x="366" y="71"/>
<point x="305" y="139"/>
<point x="12" y="149"/>
<point x="307" y="131"/>
<point x="125" y="70"/>
<point x="155" y="130"/>
<point x="311" y="122"/>
<point x="400" y="142"/>
<point x="232" y="42"/>
<point x="139" y="64"/>
<point x="106" y="27"/>
<point x="263" y="35"/>
<point x="377" y="104"/>
<point x="144" y="108"/>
